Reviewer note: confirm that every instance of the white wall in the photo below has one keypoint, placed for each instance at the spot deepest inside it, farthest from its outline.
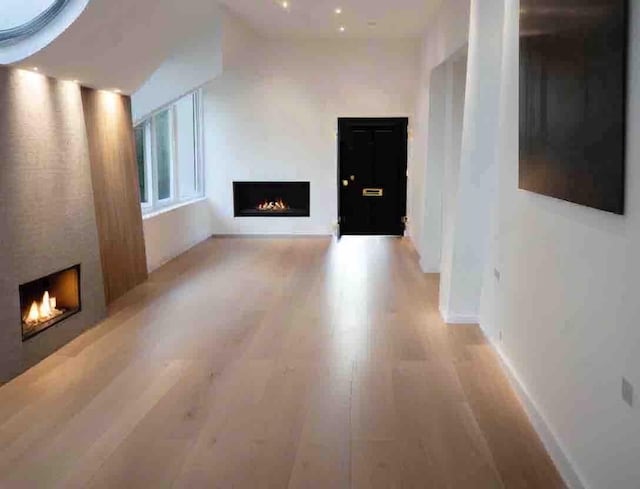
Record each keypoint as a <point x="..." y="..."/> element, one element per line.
<point x="220" y="41"/>
<point x="171" y="233"/>
<point x="271" y="115"/>
<point x="276" y="120"/>
<point x="432" y="219"/>
<point x="455" y="89"/>
<point x="447" y="34"/>
<point x="224" y="44"/>
<point x="567" y="301"/>
<point x="462" y="193"/>
<point x="461" y="284"/>
<point x="196" y="61"/>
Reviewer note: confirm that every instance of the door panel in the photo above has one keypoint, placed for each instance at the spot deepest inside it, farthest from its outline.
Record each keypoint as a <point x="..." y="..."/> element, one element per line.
<point x="372" y="166"/>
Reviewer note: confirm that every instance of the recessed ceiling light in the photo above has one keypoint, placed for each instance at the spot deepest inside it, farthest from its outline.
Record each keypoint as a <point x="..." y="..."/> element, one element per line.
<point x="342" y="28"/>
<point x="35" y="68"/>
<point x="285" y="4"/>
<point x="338" y="10"/>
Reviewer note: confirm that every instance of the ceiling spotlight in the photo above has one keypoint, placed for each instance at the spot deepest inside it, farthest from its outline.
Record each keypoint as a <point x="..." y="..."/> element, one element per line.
<point x="285" y="4"/>
<point x="342" y="28"/>
<point x="35" y="68"/>
<point x="338" y="11"/>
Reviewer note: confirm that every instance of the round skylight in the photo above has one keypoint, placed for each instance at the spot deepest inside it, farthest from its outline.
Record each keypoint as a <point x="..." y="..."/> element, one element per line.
<point x="21" y="18"/>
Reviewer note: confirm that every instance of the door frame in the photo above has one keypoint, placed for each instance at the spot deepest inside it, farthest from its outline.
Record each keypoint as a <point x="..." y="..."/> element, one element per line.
<point x="403" y="122"/>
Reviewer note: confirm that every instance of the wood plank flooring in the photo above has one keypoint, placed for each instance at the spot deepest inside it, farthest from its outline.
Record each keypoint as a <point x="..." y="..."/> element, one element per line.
<point x="273" y="363"/>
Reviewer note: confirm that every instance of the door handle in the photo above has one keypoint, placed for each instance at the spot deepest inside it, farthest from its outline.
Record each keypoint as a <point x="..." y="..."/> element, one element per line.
<point x="372" y="192"/>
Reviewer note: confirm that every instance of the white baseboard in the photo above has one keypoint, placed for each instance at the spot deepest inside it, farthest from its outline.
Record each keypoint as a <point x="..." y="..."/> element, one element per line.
<point x="453" y="318"/>
<point x="550" y="441"/>
<point x="152" y="267"/>
<point x="272" y="235"/>
<point x="428" y="268"/>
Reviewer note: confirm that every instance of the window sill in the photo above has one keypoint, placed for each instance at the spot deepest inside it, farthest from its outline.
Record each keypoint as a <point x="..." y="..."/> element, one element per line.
<point x="170" y="208"/>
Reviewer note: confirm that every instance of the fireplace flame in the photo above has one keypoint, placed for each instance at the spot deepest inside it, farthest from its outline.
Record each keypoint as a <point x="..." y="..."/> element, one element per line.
<point x="45" y="310"/>
<point x="273" y="205"/>
<point x="34" y="313"/>
<point x="45" y="307"/>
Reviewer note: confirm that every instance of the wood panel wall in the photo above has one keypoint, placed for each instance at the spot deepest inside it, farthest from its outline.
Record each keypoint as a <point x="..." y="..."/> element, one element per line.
<point x="116" y="191"/>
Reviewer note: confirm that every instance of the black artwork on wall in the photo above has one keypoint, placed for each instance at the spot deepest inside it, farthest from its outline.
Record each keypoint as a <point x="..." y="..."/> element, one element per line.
<point x="573" y="57"/>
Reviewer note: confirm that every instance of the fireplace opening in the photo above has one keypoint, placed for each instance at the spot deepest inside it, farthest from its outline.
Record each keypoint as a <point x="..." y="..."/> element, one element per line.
<point x="271" y="199"/>
<point x="48" y="300"/>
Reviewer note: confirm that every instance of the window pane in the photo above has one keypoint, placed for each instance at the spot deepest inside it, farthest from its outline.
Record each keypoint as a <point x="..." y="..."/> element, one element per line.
<point x="186" y="150"/>
<point x="168" y="155"/>
<point x="163" y="154"/>
<point x="141" y="157"/>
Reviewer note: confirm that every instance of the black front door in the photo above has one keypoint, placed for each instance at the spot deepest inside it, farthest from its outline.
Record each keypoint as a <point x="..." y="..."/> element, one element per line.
<point x="372" y="176"/>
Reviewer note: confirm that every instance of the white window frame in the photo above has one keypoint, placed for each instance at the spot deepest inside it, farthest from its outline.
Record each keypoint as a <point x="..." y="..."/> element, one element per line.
<point x="199" y="143"/>
<point x="154" y="204"/>
<point x="148" y="205"/>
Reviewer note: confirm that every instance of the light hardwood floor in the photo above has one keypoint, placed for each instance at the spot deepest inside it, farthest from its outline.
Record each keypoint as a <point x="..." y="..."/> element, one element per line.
<point x="255" y="363"/>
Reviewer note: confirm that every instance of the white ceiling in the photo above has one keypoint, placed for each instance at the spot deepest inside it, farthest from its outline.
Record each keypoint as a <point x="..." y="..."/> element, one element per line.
<point x="316" y="18"/>
<point x="118" y="44"/>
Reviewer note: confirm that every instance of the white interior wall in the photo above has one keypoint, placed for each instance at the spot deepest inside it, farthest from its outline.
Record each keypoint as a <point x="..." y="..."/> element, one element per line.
<point x="226" y="43"/>
<point x="195" y="62"/>
<point x="566" y="302"/>
<point x="461" y="283"/>
<point x="456" y="78"/>
<point x="171" y="233"/>
<point x="447" y="34"/>
<point x="220" y="42"/>
<point x="275" y="118"/>
<point x="272" y="115"/>
<point x="431" y="233"/>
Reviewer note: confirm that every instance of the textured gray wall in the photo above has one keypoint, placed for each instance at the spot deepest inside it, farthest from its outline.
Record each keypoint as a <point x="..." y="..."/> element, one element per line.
<point x="47" y="217"/>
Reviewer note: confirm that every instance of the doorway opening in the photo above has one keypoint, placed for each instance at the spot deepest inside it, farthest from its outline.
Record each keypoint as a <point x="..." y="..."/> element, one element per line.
<point x="372" y="176"/>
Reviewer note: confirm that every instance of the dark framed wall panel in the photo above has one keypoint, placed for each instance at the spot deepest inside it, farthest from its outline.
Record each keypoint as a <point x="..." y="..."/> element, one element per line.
<point x="573" y="69"/>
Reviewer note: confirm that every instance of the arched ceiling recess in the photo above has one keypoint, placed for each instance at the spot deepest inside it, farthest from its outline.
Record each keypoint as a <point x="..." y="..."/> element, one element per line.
<point x="118" y="44"/>
<point x="27" y="26"/>
<point x="21" y="20"/>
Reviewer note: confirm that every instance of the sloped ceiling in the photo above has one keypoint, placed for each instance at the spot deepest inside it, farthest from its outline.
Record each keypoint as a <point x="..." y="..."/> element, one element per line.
<point x="118" y="44"/>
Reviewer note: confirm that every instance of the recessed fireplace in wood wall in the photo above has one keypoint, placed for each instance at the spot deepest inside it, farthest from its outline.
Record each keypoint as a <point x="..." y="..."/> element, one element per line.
<point x="48" y="300"/>
<point x="271" y="199"/>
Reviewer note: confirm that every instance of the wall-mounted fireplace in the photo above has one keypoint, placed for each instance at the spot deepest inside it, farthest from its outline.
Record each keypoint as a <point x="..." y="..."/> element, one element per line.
<point x="48" y="300"/>
<point x="271" y="199"/>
